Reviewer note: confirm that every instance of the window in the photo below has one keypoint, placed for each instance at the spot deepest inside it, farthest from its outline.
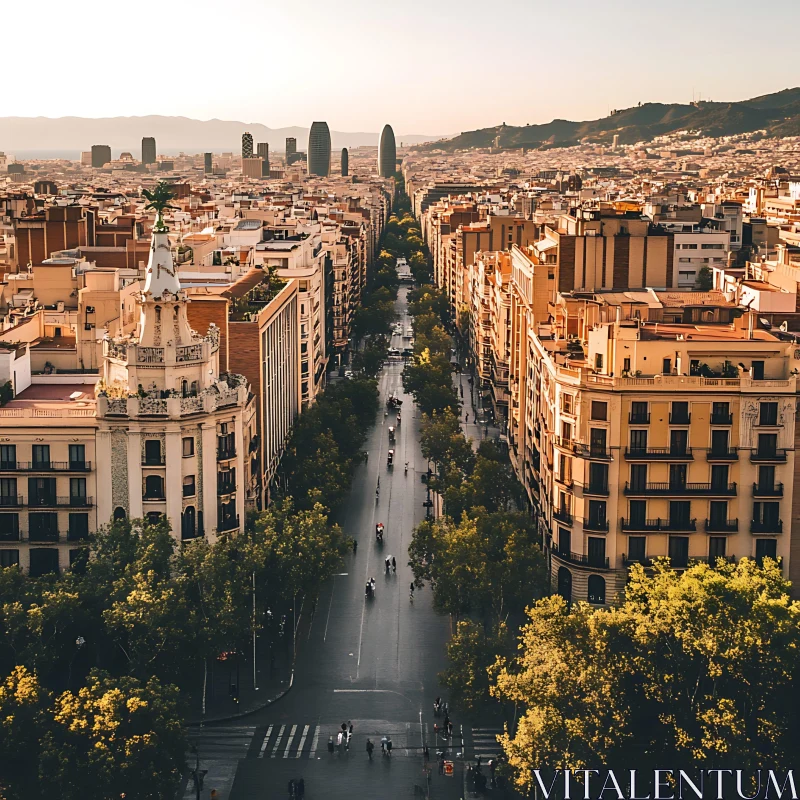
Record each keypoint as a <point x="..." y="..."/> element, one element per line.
<point x="43" y="527"/>
<point x="766" y="478"/>
<point x="9" y="527"/>
<point x="766" y="548"/>
<point x="598" y="477"/>
<point x="77" y="456"/>
<point x="598" y="361"/>
<point x="41" y="456"/>
<point x="626" y="365"/>
<point x="154" y="517"/>
<point x="768" y="414"/>
<point x="153" y="487"/>
<point x="188" y="486"/>
<point x="8" y="492"/>
<point x="767" y="444"/>
<point x="720" y="414"/>
<point x="597" y="551"/>
<point x="597" y="590"/>
<point x="766" y="515"/>
<point x="679" y="442"/>
<point x="42" y="491"/>
<point x="680" y="413"/>
<point x="719" y="442"/>
<point x="638" y="441"/>
<point x="677" y="476"/>
<point x="567" y="403"/>
<point x="638" y="512"/>
<point x="666" y="366"/>
<point x="636" y="548"/>
<point x="757" y="371"/>
<point x="717" y="546"/>
<point x="9" y="558"/>
<point x="599" y="410"/>
<point x="188" y="446"/>
<point x="597" y="515"/>
<point x="639" y="413"/>
<point x="8" y="456"/>
<point x="119" y="514"/>
<point x="718" y="512"/>
<point x="78" y="527"/>
<point x="694" y="366"/>
<point x="638" y="477"/>
<point x="44" y="560"/>
<point x="679" y="550"/>
<point x="719" y="476"/>
<point x="564" y="541"/>
<point x="188" y="523"/>
<point x="77" y="490"/>
<point x="597" y="441"/>
<point x="152" y="452"/>
<point x="679" y="514"/>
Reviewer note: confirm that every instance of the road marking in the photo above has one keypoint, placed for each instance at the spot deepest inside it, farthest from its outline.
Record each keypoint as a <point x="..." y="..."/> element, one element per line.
<point x="289" y="742"/>
<point x="274" y="753"/>
<point x="266" y="740"/>
<point x="302" y="741"/>
<point x="314" y="741"/>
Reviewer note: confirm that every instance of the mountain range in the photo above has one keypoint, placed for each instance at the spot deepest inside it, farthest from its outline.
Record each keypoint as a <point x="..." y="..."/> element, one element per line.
<point x="66" y="137"/>
<point x="777" y="114"/>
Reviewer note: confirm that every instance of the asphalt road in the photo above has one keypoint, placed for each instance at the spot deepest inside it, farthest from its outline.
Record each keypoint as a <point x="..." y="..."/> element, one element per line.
<point x="373" y="661"/>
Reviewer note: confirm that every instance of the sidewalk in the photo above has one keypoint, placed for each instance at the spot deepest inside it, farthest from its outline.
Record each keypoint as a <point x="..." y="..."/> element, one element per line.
<point x="274" y="681"/>
<point x="476" y="428"/>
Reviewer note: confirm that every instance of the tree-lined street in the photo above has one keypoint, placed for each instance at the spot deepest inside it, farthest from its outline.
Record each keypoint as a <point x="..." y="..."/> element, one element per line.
<point x="372" y="662"/>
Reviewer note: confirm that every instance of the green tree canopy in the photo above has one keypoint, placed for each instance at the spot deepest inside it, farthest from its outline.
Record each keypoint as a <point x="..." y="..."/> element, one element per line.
<point x="695" y="669"/>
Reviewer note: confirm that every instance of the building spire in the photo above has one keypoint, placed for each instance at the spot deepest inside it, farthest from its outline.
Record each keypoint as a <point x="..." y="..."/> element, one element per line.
<point x="161" y="274"/>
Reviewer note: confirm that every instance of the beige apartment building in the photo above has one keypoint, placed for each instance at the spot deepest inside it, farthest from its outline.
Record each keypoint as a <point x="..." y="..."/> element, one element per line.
<point x="647" y="425"/>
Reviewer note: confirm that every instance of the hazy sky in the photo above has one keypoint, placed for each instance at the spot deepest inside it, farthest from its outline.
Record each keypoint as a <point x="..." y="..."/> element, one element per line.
<point x="426" y="66"/>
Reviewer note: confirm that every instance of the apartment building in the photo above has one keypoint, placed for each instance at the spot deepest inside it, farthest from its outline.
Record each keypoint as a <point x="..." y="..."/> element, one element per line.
<point x="655" y="427"/>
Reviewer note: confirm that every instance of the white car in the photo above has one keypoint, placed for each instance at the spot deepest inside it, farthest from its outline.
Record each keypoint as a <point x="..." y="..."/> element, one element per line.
<point x="393" y="351"/>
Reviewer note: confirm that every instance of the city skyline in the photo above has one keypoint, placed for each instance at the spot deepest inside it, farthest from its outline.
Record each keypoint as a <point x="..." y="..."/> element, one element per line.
<point x="634" y="35"/>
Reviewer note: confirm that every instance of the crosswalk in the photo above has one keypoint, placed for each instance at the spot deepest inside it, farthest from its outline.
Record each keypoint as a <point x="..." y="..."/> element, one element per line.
<point x="484" y="743"/>
<point x="225" y="742"/>
<point x="289" y="741"/>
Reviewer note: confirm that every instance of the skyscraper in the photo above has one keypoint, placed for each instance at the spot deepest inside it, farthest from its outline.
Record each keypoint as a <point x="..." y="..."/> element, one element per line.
<point x="291" y="150"/>
<point x="148" y="150"/>
<point x="345" y="162"/>
<point x="319" y="149"/>
<point x="387" y="153"/>
<point x="247" y="145"/>
<point x="208" y="162"/>
<point x="263" y="151"/>
<point x="101" y="155"/>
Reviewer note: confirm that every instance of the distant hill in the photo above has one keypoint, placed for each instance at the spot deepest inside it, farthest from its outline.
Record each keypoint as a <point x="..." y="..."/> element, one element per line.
<point x="30" y="135"/>
<point x="778" y="114"/>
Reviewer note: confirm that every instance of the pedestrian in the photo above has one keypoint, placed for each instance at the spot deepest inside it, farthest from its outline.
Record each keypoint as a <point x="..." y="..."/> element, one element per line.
<point x="389" y="746"/>
<point x="330" y="744"/>
<point x="394" y="564"/>
<point x="339" y="741"/>
<point x="387" y="564"/>
<point x="370" y="748"/>
<point x="450" y="729"/>
<point x="441" y="765"/>
<point x="467" y="420"/>
<point x="355" y="546"/>
<point x="425" y="754"/>
<point x="350" y="729"/>
<point x="383" y="745"/>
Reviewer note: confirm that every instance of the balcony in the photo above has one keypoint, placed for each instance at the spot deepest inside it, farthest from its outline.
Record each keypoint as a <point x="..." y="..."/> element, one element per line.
<point x="562" y="516"/>
<point x="595" y="524"/>
<point x="154" y="462"/>
<point x="658" y="453"/>
<point x="226" y="487"/>
<point x="582" y="560"/>
<point x="768" y="490"/>
<point x="638" y="419"/>
<point x="766" y="526"/>
<point x="226" y="453"/>
<point x="722" y="454"/>
<point x="592" y="451"/>
<point x="154" y="497"/>
<point x="659" y="525"/>
<point x="45" y="466"/>
<point x="629" y="560"/>
<point x="721" y="419"/>
<point x="679" y="489"/>
<point x="13" y="535"/>
<point x="775" y="456"/>
<point x="11" y="501"/>
<point x="712" y="560"/>
<point x="51" y="501"/>
<point x="228" y="524"/>
<point x="43" y="536"/>
<point x="596" y="488"/>
<point x="680" y="418"/>
<point x="722" y="525"/>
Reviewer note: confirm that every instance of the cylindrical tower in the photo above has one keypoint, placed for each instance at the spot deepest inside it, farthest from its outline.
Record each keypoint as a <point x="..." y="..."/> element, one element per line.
<point x="247" y="145"/>
<point x="387" y="153"/>
<point x="345" y="162"/>
<point x="319" y="149"/>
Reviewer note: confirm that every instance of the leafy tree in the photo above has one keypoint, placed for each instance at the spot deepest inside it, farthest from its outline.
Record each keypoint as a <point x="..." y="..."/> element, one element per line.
<point x="705" y="279"/>
<point x="23" y="720"/>
<point x="694" y="669"/>
<point x="369" y="361"/>
<point x="442" y="441"/>
<point x="471" y="652"/>
<point x="116" y="737"/>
